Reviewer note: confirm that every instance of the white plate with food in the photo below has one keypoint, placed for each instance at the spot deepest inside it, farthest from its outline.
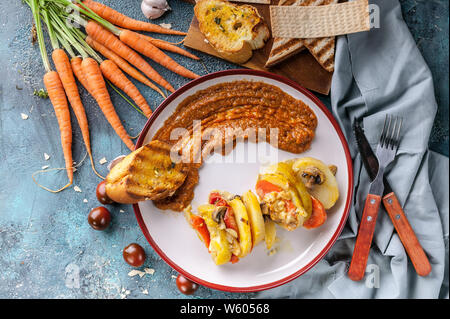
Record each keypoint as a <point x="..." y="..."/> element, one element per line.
<point x="250" y="253"/>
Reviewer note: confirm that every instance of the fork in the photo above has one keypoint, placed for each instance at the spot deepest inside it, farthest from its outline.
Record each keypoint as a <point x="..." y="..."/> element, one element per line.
<point x="386" y="151"/>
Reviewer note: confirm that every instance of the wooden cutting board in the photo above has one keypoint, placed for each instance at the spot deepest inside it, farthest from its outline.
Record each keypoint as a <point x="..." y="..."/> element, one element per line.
<point x="301" y="68"/>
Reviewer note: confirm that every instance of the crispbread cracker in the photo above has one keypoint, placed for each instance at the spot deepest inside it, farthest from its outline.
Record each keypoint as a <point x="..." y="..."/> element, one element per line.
<point x="320" y="21"/>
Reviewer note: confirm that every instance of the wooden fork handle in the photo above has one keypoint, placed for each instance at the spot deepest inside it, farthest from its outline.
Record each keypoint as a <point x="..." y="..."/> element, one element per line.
<point x="404" y="230"/>
<point x="364" y="238"/>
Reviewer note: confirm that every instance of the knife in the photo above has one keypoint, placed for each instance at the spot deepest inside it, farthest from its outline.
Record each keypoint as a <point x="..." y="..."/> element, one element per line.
<point x="404" y="230"/>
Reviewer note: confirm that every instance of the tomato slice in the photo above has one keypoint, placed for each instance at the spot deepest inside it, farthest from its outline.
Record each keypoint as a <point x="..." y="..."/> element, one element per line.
<point x="230" y="220"/>
<point x="318" y="215"/>
<point x="217" y="199"/>
<point x="199" y="225"/>
<point x="264" y="187"/>
<point x="234" y="259"/>
<point x="214" y="197"/>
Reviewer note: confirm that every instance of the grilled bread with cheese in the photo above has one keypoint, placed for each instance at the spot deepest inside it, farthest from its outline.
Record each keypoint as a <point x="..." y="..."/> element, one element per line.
<point x="148" y="173"/>
<point x="234" y="31"/>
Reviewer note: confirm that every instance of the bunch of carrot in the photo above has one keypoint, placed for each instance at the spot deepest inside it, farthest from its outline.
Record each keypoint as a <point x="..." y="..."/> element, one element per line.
<point x="108" y="32"/>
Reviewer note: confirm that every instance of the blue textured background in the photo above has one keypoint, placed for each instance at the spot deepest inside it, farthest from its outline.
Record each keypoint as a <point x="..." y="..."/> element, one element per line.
<point x="45" y="239"/>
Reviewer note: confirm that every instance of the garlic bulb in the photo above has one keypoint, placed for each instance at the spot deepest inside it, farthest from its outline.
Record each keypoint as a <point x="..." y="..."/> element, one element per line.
<point x="153" y="9"/>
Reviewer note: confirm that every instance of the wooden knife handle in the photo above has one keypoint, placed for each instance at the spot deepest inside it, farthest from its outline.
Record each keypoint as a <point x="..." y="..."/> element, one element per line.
<point x="407" y="236"/>
<point x="364" y="238"/>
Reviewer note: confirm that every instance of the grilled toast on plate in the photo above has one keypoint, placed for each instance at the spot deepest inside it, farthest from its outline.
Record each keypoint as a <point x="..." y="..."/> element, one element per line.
<point x="321" y="48"/>
<point x="147" y="173"/>
<point x="234" y="31"/>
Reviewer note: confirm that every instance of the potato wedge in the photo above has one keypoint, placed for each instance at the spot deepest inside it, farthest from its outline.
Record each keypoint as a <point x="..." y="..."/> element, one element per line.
<point x="219" y="246"/>
<point x="242" y="220"/>
<point x="206" y="210"/>
<point x="255" y="217"/>
<point x="276" y="179"/>
<point x="327" y="191"/>
<point x="270" y="233"/>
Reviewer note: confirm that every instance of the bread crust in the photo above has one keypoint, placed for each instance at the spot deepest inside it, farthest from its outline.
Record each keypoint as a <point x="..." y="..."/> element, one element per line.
<point x="119" y="194"/>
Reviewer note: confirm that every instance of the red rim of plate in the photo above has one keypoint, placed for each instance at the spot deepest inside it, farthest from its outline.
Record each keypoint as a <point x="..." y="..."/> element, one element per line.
<point x="338" y="231"/>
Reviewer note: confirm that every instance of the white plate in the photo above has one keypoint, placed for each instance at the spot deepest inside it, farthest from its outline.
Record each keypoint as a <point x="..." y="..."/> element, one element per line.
<point x="299" y="250"/>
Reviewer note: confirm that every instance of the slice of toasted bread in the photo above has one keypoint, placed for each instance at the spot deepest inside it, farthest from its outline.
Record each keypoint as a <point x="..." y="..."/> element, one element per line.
<point x="147" y="173"/>
<point x="234" y="31"/>
<point x="322" y="49"/>
<point x="282" y="49"/>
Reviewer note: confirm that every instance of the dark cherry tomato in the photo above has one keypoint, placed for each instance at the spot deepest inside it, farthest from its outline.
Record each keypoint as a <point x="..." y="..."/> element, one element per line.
<point x="99" y="218"/>
<point x="101" y="194"/>
<point x="186" y="286"/>
<point x="134" y="255"/>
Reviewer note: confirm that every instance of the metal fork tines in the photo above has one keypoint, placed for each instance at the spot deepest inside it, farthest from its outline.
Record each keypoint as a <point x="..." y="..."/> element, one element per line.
<point x="387" y="148"/>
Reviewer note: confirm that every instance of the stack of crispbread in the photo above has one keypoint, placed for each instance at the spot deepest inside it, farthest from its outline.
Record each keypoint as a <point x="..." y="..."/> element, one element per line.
<point x="321" y="48"/>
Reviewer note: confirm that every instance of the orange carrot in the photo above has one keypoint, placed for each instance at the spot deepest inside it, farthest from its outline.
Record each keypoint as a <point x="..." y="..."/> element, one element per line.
<point x="77" y="70"/>
<point x="109" y="40"/>
<point x="134" y="40"/>
<point x="121" y="63"/>
<point x="100" y="93"/>
<point x="123" y="21"/>
<point x="55" y="89"/>
<point x="65" y="73"/>
<point x="112" y="72"/>
<point x="58" y="98"/>
<point x="168" y="46"/>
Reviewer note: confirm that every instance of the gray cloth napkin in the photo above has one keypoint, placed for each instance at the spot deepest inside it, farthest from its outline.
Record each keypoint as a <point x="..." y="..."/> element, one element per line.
<point x="380" y="72"/>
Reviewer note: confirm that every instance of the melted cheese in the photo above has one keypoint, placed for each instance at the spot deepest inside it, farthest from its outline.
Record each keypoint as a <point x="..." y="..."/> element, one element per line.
<point x="230" y="22"/>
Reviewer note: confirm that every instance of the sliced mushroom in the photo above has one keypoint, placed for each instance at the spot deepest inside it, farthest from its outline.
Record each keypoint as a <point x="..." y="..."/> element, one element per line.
<point x="219" y="213"/>
<point x="313" y="176"/>
<point x="236" y="196"/>
<point x="326" y="191"/>
<point x="333" y="169"/>
<point x="264" y="208"/>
